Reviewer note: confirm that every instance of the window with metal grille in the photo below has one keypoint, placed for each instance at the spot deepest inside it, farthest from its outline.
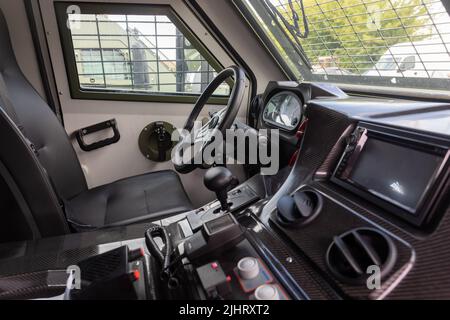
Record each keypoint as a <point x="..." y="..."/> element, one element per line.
<point x="134" y="53"/>
<point x="403" y="43"/>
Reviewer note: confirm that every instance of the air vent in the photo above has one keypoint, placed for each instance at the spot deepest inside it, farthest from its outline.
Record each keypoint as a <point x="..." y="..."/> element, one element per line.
<point x="350" y="254"/>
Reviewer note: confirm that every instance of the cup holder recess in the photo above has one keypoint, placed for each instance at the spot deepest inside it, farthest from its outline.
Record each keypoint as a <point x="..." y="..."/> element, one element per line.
<point x="352" y="253"/>
<point x="298" y="209"/>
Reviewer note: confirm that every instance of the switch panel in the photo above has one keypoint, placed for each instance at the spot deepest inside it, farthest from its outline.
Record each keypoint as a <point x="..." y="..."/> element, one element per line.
<point x="213" y="280"/>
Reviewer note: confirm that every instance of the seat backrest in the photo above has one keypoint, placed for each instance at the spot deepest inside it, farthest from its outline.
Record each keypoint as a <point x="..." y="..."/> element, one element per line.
<point x="41" y="126"/>
<point x="29" y="183"/>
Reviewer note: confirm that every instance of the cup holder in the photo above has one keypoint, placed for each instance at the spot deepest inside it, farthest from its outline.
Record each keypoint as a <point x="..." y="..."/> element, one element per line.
<point x="298" y="209"/>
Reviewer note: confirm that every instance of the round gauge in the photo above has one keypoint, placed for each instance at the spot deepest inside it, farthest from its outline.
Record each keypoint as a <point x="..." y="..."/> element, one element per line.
<point x="284" y="110"/>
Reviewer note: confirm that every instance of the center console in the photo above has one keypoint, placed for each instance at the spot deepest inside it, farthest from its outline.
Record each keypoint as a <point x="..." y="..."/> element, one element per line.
<point x="207" y="254"/>
<point x="222" y="260"/>
<point x="216" y="254"/>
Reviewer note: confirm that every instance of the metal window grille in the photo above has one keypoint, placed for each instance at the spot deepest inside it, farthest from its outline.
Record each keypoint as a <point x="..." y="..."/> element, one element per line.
<point x="380" y="38"/>
<point x="137" y="53"/>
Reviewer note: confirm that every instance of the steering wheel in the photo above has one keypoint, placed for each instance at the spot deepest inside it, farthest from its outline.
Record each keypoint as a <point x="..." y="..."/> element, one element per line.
<point x="220" y="122"/>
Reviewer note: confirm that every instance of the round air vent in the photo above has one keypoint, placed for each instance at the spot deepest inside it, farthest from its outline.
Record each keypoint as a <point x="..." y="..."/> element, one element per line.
<point x="351" y="253"/>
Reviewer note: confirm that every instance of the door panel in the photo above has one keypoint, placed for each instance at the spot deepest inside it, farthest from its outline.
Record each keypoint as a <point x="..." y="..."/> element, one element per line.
<point x="124" y="158"/>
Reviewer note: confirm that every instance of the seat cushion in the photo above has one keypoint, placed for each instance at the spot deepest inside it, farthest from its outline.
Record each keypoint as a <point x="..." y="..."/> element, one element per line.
<point x="138" y="199"/>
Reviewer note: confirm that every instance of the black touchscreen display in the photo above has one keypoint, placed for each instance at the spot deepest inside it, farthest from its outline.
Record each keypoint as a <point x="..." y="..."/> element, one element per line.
<point x="395" y="173"/>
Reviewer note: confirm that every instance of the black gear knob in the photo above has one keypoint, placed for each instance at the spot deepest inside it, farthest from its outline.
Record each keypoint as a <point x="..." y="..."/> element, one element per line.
<point x="220" y="180"/>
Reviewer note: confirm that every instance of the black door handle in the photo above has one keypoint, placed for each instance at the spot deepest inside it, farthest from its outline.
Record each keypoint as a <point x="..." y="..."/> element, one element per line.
<point x="96" y="128"/>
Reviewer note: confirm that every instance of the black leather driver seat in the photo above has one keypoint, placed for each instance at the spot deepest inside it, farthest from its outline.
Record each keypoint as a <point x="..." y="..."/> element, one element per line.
<point x="129" y="200"/>
<point x="40" y="164"/>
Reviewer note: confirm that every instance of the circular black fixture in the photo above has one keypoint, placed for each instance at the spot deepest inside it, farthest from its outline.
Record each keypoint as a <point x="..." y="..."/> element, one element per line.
<point x="155" y="141"/>
<point x="299" y="209"/>
<point x="352" y="253"/>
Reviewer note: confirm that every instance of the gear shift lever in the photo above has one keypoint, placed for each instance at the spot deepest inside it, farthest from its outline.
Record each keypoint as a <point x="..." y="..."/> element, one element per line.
<point x="220" y="180"/>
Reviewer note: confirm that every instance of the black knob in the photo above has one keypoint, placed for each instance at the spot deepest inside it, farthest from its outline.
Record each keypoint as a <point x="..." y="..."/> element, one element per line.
<point x="220" y="180"/>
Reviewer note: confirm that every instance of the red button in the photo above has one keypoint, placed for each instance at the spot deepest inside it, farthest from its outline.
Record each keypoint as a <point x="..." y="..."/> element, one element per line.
<point x="136" y="275"/>
<point x="214" y="265"/>
<point x="228" y="278"/>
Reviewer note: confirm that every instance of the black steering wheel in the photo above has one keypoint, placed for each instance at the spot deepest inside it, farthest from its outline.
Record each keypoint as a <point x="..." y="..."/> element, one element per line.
<point x="221" y="121"/>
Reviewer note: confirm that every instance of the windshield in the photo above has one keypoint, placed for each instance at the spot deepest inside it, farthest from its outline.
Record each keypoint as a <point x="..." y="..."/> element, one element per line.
<point x="400" y="43"/>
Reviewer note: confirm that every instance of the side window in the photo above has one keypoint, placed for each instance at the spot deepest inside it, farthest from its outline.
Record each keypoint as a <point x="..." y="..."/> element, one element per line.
<point x="133" y="53"/>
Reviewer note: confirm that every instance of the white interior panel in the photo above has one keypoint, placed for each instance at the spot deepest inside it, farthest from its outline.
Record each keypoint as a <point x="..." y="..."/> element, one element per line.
<point x="22" y="42"/>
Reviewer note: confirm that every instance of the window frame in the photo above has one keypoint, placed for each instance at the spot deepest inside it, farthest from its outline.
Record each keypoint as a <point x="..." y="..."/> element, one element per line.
<point x="77" y="92"/>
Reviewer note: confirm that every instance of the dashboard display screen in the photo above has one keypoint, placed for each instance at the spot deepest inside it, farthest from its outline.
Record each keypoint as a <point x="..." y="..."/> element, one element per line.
<point x="394" y="173"/>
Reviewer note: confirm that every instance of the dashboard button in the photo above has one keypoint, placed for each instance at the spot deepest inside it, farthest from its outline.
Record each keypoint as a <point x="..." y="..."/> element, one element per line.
<point x="248" y="268"/>
<point x="267" y="292"/>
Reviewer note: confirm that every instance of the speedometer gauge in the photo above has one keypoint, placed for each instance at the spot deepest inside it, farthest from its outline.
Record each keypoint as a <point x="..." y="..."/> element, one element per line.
<point x="284" y="110"/>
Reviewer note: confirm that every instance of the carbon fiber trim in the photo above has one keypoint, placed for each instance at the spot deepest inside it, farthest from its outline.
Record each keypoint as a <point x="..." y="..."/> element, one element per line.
<point x="311" y="281"/>
<point x="314" y="239"/>
<point x="37" y="285"/>
<point x="429" y="277"/>
<point x="426" y="278"/>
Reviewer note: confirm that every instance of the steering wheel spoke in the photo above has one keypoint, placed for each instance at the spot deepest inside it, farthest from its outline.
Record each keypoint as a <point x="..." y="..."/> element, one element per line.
<point x="220" y="121"/>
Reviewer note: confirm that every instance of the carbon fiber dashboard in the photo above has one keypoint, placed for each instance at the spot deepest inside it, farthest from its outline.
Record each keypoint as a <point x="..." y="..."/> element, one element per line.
<point x="423" y="259"/>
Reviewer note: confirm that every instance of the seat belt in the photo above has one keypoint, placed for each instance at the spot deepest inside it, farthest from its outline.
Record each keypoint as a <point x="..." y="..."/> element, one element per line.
<point x="21" y="202"/>
<point x="7" y="104"/>
<point x="11" y="112"/>
<point x="12" y="117"/>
